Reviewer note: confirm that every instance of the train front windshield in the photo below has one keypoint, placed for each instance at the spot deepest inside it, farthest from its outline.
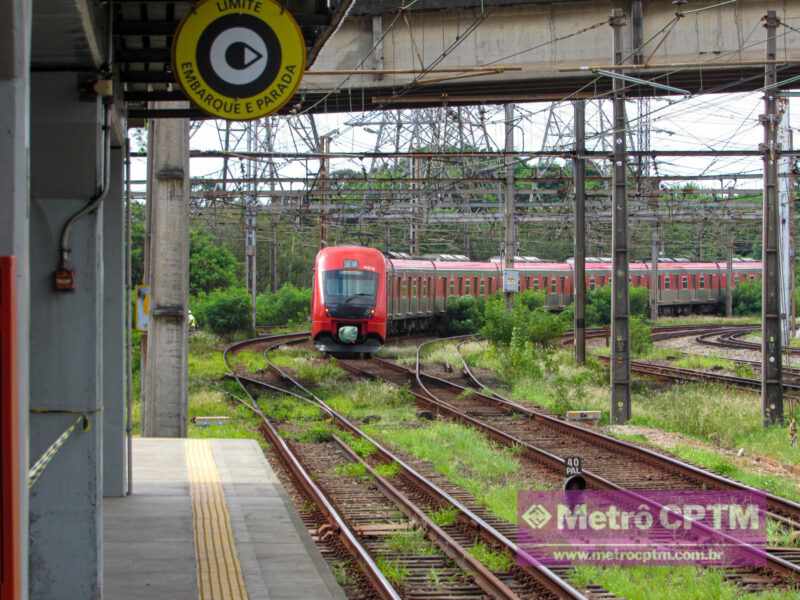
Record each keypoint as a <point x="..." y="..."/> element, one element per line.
<point x="349" y="292"/>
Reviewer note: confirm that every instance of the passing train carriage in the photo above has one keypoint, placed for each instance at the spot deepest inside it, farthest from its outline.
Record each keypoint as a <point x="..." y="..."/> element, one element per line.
<point x="361" y="296"/>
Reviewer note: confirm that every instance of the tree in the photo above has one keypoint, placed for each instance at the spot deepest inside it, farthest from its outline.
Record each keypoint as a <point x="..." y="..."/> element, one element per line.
<point x="137" y="243"/>
<point x="211" y="266"/>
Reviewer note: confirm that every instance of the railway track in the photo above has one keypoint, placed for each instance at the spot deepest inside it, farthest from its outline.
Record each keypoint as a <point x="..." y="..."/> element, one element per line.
<point x="732" y="339"/>
<point x="366" y="516"/>
<point x="546" y="441"/>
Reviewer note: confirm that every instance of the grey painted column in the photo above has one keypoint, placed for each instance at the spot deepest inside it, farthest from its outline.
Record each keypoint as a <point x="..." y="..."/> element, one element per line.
<point x="114" y="354"/>
<point x="66" y="341"/>
<point x="15" y="31"/>
<point x="166" y="369"/>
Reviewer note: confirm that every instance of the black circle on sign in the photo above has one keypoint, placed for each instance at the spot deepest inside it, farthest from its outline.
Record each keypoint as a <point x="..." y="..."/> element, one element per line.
<point x="262" y="30"/>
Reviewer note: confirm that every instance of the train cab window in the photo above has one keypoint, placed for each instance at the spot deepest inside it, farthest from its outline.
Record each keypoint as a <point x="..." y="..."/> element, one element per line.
<point x="349" y="292"/>
<point x="667" y="281"/>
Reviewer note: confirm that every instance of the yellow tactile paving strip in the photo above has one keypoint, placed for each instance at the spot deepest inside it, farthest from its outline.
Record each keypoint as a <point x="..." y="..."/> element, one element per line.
<point x="219" y="574"/>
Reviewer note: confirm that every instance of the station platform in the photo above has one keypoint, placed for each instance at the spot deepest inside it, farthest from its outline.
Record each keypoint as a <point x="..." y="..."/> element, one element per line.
<point x="209" y="520"/>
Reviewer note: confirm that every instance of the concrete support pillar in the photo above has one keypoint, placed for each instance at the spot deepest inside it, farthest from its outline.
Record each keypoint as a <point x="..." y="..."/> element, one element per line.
<point x="15" y="31"/>
<point x="166" y="369"/>
<point x="114" y="332"/>
<point x="66" y="340"/>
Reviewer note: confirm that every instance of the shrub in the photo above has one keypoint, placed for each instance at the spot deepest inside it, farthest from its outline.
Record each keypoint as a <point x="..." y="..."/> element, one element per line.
<point x="747" y="298"/>
<point x="288" y="305"/>
<point x="640" y="336"/>
<point x="498" y="321"/>
<point x="533" y="299"/>
<point x="535" y="326"/>
<point x="223" y="311"/>
<point x="598" y="306"/>
<point x="211" y="265"/>
<point x="464" y="314"/>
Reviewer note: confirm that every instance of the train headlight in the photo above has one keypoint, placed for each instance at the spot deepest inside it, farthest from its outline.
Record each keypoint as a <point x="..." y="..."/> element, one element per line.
<point x="348" y="334"/>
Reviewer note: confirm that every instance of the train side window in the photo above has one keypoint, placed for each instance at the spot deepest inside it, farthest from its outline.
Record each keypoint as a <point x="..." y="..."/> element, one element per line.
<point x="544" y="283"/>
<point x="553" y="286"/>
<point x="685" y="282"/>
<point x="483" y="286"/>
<point x="452" y="285"/>
<point x="702" y="283"/>
<point x="475" y="285"/>
<point x="562" y="281"/>
<point x="667" y="281"/>
<point x="536" y="282"/>
<point x="592" y="283"/>
<point x="752" y="277"/>
<point x="466" y="285"/>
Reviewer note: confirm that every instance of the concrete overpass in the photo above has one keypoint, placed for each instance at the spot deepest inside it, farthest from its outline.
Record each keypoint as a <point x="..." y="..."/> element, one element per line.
<point x="452" y="52"/>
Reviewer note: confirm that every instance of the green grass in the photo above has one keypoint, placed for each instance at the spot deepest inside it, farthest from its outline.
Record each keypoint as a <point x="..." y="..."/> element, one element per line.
<point x="243" y="423"/>
<point x="669" y="583"/>
<point x="360" y="446"/>
<point x="351" y="469"/>
<point x="311" y="433"/>
<point x="444" y="353"/>
<point x="372" y="399"/>
<point x="248" y="360"/>
<point x="712" y="461"/>
<point x="286" y="408"/>
<point x="317" y="372"/>
<point x="388" y="470"/>
<point x="781" y="535"/>
<point x="444" y="517"/>
<point x="411" y="542"/>
<point x="494" y="560"/>
<point x="340" y="570"/>
<point x="468" y="459"/>
<point x="394" y="571"/>
<point x="697" y="361"/>
<point x="706" y="320"/>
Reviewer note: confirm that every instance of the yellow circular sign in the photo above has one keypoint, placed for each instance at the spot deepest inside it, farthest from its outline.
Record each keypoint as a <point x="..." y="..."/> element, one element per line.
<point x="239" y="59"/>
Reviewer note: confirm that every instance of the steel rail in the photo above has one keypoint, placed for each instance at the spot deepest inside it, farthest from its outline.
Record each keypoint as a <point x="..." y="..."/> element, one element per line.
<point x="778" y="565"/>
<point x="366" y="564"/>
<point x="682" y="468"/>
<point x="731" y="340"/>
<point x="781" y="505"/>
<point x="537" y="572"/>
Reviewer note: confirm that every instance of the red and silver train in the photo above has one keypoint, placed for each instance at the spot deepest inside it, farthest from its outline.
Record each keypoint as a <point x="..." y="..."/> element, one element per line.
<point x="360" y="296"/>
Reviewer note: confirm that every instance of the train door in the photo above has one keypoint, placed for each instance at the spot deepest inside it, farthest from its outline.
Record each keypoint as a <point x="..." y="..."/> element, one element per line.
<point x="403" y="304"/>
<point x="684" y="287"/>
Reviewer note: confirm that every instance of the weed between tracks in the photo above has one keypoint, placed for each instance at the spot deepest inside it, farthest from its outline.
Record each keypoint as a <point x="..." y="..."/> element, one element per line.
<point x="670" y="583"/>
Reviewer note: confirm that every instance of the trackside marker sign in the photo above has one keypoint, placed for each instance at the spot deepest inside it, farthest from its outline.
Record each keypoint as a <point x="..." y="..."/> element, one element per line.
<point x="239" y="59"/>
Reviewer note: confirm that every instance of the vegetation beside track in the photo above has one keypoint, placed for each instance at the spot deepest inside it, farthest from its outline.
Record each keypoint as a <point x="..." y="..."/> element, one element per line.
<point x="670" y="583"/>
